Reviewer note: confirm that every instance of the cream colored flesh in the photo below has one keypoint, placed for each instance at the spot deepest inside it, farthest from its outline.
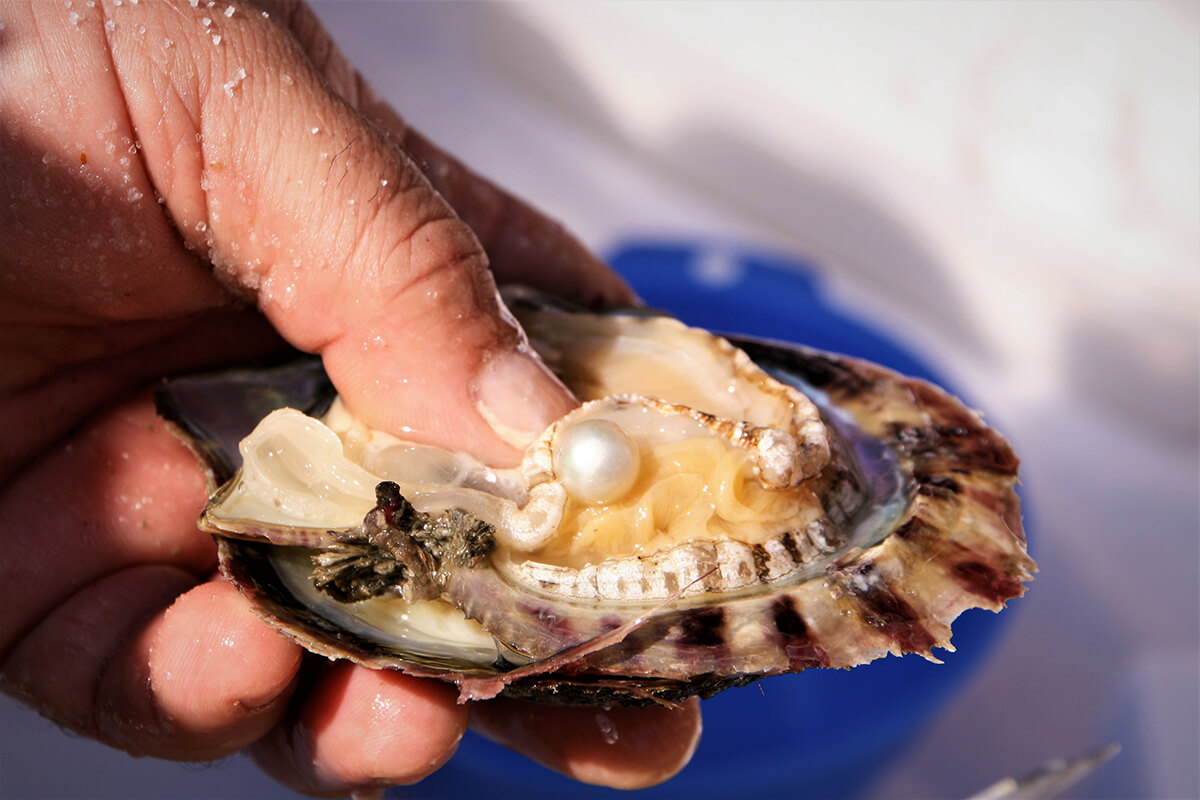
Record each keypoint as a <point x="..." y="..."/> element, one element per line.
<point x="722" y="453"/>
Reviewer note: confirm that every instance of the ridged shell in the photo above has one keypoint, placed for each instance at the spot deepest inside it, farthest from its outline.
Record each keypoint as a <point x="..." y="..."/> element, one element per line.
<point x="921" y="522"/>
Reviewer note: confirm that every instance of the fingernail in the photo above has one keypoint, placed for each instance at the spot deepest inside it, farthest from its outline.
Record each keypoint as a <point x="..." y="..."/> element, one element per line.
<point x="519" y="397"/>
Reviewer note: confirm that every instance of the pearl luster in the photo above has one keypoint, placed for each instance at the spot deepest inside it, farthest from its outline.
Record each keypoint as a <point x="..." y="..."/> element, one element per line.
<point x="596" y="461"/>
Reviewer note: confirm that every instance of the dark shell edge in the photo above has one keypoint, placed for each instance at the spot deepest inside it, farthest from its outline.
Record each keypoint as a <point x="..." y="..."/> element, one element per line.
<point x="958" y="464"/>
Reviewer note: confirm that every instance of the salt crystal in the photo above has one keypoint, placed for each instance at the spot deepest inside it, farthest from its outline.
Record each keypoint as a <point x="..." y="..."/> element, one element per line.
<point x="206" y="21"/>
<point x="74" y="17"/>
<point x="383" y="182"/>
<point x="229" y="11"/>
<point x="201" y="227"/>
<point x="216" y="38"/>
<point x="287" y="79"/>
<point x="194" y="3"/>
<point x="230" y="85"/>
<point x="315" y="130"/>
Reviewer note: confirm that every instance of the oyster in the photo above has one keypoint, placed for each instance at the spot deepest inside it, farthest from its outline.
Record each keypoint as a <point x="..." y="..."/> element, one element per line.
<point x="710" y="515"/>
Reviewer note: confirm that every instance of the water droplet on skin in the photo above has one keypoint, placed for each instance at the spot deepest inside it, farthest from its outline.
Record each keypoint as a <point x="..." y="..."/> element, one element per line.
<point x="201" y="226"/>
<point x="284" y="295"/>
<point x="608" y="729"/>
<point x="315" y="130"/>
<point x="133" y="195"/>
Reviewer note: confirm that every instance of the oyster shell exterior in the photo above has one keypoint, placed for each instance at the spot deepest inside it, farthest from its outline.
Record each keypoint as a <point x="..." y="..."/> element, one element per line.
<point x="788" y="509"/>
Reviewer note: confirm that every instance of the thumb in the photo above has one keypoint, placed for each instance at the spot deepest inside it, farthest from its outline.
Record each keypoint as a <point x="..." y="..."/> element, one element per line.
<point x="334" y="232"/>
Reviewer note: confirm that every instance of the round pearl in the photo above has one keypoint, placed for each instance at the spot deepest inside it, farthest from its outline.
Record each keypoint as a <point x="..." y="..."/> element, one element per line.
<point x="596" y="461"/>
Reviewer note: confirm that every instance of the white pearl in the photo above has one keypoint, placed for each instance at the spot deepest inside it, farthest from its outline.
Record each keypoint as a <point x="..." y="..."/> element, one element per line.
<point x="596" y="461"/>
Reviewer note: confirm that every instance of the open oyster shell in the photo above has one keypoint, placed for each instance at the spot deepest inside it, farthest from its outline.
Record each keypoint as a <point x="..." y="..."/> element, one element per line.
<point x="753" y="510"/>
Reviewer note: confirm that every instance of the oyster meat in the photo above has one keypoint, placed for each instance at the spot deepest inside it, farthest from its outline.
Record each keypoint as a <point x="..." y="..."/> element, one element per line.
<point x="714" y="512"/>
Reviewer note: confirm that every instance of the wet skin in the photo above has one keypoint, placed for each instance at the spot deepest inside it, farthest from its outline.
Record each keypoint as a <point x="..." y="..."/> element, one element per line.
<point x="185" y="188"/>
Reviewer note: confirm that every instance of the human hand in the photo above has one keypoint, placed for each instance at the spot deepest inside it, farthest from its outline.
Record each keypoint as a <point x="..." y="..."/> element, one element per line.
<point x="284" y="184"/>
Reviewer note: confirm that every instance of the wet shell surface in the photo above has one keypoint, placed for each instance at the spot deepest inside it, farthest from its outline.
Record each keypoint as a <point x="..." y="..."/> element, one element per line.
<point x="714" y="512"/>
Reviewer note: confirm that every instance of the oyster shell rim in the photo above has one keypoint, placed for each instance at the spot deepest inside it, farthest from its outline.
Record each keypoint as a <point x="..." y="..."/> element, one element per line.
<point x="852" y="574"/>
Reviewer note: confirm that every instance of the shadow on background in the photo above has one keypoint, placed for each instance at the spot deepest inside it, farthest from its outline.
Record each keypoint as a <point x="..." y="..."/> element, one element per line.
<point x="838" y="226"/>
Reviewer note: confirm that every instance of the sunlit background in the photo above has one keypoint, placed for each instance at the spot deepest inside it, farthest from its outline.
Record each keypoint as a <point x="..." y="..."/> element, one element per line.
<point x="1011" y="191"/>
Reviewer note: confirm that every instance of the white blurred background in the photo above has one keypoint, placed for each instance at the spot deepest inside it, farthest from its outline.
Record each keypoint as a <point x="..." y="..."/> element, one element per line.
<point x="1012" y="189"/>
